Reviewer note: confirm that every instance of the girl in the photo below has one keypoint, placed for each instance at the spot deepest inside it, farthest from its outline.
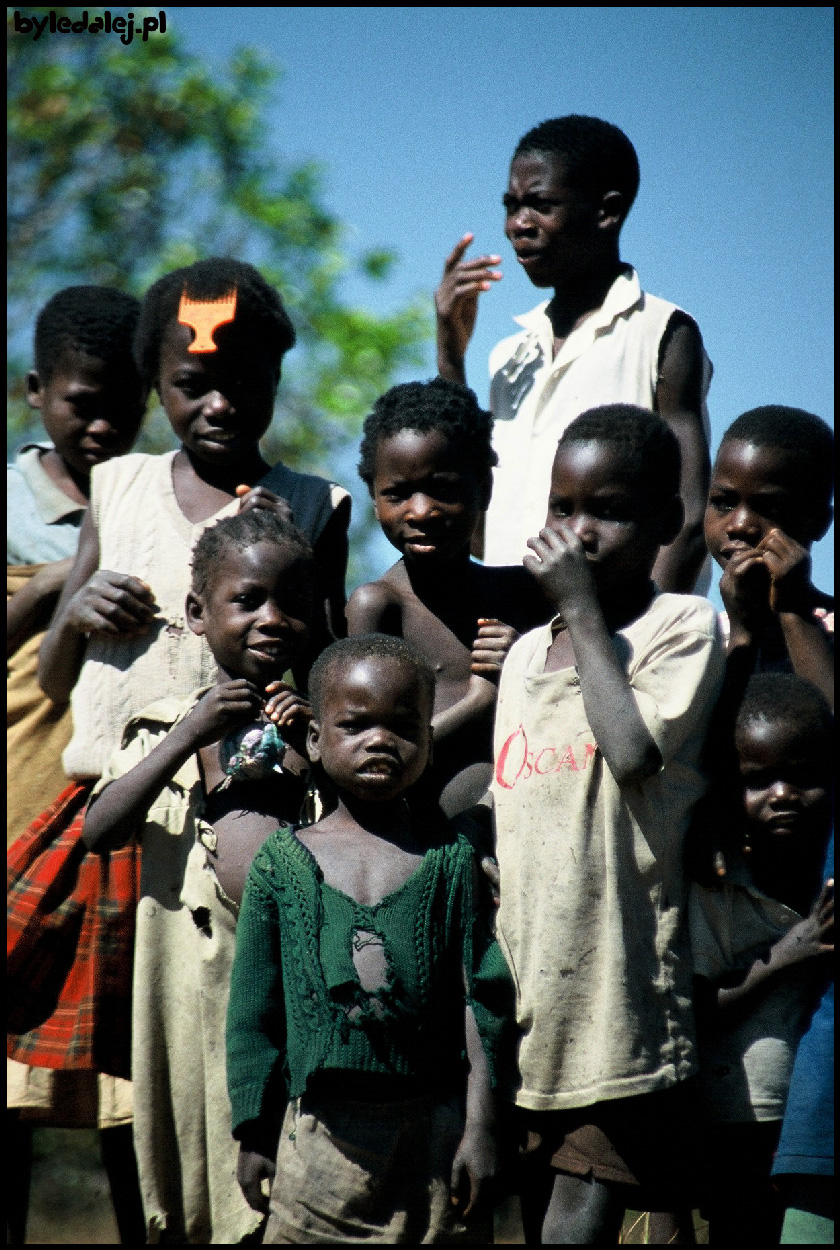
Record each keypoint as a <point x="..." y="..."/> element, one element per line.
<point x="355" y="1016"/>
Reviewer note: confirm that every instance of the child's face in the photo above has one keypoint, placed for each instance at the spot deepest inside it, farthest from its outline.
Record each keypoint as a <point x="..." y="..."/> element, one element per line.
<point x="426" y="498"/>
<point x="373" y="735"/>
<point x="785" y="774"/>
<point x="606" y="507"/>
<point x="256" y="611"/>
<point x="218" y="403"/>
<point x="90" y="414"/>
<point x="552" y="226"/>
<point x="753" y="490"/>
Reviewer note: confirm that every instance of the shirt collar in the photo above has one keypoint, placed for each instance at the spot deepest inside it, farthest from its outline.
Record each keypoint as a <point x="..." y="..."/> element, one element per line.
<point x="624" y="294"/>
<point x="52" y="504"/>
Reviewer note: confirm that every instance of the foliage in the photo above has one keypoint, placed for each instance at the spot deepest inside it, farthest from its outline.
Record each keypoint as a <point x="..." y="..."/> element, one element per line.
<point x="126" y="162"/>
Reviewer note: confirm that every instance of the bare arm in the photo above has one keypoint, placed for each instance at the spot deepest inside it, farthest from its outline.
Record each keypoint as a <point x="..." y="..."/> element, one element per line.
<point x="792" y="599"/>
<point x="29" y="610"/>
<point x="93" y="601"/>
<point x="476" y="1153"/>
<point x="374" y="609"/>
<point x="679" y="400"/>
<point x="456" y="305"/>
<point x="559" y="565"/>
<point x="121" y="807"/>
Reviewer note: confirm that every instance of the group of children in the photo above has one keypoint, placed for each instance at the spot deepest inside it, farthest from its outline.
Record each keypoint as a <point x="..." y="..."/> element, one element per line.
<point x="336" y="1036"/>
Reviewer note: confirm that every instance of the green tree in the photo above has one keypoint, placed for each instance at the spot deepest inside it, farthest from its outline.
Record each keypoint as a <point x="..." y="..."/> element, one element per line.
<point x="126" y="162"/>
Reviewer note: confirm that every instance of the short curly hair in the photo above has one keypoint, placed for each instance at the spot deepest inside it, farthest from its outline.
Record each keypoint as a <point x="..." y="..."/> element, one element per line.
<point x="261" y="322"/>
<point x="786" y="697"/>
<point x="363" y="647"/>
<point x="805" y="437"/>
<point x="423" y="406"/>
<point x="648" y="446"/>
<point x="95" y="320"/>
<point x="597" y="157"/>
<point x="244" y="530"/>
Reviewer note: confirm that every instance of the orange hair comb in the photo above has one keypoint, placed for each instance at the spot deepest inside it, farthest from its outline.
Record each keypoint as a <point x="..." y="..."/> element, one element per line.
<point x="205" y="316"/>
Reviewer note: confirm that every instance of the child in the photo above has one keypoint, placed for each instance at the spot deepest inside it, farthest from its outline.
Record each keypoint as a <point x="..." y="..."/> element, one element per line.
<point x="355" y="995"/>
<point x="88" y="393"/>
<point x="759" y="943"/>
<point x="426" y="459"/>
<point x="200" y="825"/>
<point x="599" y="726"/>
<point x="769" y="500"/>
<point x="91" y="401"/>
<point x="601" y="339"/>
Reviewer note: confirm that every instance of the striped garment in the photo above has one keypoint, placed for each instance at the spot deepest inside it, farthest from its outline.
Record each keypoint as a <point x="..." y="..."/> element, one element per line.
<point x="70" y="936"/>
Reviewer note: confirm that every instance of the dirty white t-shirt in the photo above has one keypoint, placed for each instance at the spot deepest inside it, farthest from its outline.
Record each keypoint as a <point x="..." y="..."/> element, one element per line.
<point x="591" y="917"/>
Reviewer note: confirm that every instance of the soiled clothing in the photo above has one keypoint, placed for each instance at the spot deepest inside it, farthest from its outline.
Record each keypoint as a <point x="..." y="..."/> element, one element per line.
<point x="142" y="532"/>
<point x="351" y="1173"/>
<point x="186" y="1156"/>
<point x="592" y="909"/>
<point x="297" y="1005"/>
<point x="612" y="357"/>
<point x="42" y="523"/>
<point x="746" y="1057"/>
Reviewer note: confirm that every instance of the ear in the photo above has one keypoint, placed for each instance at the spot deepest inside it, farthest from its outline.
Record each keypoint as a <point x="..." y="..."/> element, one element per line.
<point x="671" y="521"/>
<point x="485" y="487"/>
<point x="611" y="211"/>
<point x="194" y="609"/>
<point x="313" y="737"/>
<point x="33" y="389"/>
<point x="821" y="519"/>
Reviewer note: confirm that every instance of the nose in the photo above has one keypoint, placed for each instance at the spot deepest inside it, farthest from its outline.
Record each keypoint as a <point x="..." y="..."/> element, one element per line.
<point x="272" y="616"/>
<point x="100" y="427"/>
<point x="218" y="405"/>
<point x="742" y="523"/>
<point x="783" y="792"/>
<point x="520" y="223"/>
<point x="421" y="507"/>
<point x="584" y="527"/>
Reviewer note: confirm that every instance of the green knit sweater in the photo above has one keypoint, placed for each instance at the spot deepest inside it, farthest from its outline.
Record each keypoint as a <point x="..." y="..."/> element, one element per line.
<point x="297" y="1006"/>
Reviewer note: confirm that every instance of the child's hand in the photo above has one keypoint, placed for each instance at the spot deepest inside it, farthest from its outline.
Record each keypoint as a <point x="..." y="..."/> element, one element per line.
<point x="226" y="707"/>
<point x="252" y="1169"/>
<point x="560" y="567"/>
<point x="456" y="299"/>
<point x="745" y="591"/>
<point x="259" y="497"/>
<point x="490" y="868"/>
<point x="807" y="939"/>
<point x="474" y="1163"/>
<point x="290" y="712"/>
<point x="491" y="647"/>
<point x="789" y="566"/>
<point x="112" y="603"/>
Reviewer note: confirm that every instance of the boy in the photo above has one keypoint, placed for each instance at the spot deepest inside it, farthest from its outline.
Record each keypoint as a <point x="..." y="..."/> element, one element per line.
<point x="599" y="726"/>
<point x="357" y="1019"/>
<point x="88" y="393"/>
<point x="426" y="459"/>
<point x="769" y="500"/>
<point x="181" y="780"/>
<point x="760" y="943"/>
<point x="599" y="340"/>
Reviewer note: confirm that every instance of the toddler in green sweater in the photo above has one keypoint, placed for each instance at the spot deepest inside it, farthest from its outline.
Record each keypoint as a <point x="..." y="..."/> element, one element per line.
<point x="367" y="996"/>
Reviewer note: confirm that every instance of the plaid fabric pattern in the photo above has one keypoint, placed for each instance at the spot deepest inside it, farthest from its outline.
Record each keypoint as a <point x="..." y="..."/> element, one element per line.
<point x="69" y="944"/>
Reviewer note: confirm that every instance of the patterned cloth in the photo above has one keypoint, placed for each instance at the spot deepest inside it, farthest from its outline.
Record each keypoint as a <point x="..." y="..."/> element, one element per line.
<point x="70" y="933"/>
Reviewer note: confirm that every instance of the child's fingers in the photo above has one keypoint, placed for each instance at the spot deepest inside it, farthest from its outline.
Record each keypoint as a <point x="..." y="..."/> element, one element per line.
<point x="457" y="252"/>
<point x="241" y="490"/>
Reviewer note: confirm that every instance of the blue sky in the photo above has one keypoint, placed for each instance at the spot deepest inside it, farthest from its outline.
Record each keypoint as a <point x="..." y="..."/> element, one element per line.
<point x="414" y="113"/>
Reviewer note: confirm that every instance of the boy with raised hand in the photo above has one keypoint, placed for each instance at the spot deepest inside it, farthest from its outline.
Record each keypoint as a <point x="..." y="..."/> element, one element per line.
<point x="600" y="339"/>
<point x="599" y="727"/>
<point x="426" y="458"/>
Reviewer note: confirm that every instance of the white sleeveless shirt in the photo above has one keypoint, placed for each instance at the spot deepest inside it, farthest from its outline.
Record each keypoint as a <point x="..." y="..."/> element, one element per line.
<point x="612" y="357"/>
<point x="142" y="531"/>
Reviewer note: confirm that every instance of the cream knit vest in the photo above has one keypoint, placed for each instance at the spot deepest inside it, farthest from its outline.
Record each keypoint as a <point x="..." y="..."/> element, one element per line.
<point x="142" y="531"/>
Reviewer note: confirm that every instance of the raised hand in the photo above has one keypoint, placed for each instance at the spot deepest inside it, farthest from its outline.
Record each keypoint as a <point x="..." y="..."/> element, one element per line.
<point x="809" y="938"/>
<point x="290" y="712"/>
<point x="559" y="564"/>
<point x="111" y="603"/>
<point x="490" y="648"/>
<point x="456" y="305"/>
<point x="223" y="709"/>
<point x="259" y="497"/>
<point x="789" y="566"/>
<point x="745" y="591"/>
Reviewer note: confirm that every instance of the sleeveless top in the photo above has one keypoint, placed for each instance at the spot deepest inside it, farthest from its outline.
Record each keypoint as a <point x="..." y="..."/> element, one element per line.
<point x="612" y="357"/>
<point x="143" y="532"/>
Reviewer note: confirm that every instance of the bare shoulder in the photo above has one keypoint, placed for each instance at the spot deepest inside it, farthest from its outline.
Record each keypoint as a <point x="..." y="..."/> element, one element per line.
<point x="375" y="606"/>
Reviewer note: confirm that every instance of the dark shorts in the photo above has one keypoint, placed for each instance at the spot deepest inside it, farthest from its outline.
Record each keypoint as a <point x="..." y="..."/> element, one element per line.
<point x="648" y="1142"/>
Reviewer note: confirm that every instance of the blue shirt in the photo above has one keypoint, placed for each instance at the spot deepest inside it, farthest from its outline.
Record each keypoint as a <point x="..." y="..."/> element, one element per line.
<point x="42" y="523"/>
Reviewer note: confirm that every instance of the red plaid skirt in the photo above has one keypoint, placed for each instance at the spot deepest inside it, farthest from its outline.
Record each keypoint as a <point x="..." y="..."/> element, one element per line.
<point x="69" y="944"/>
